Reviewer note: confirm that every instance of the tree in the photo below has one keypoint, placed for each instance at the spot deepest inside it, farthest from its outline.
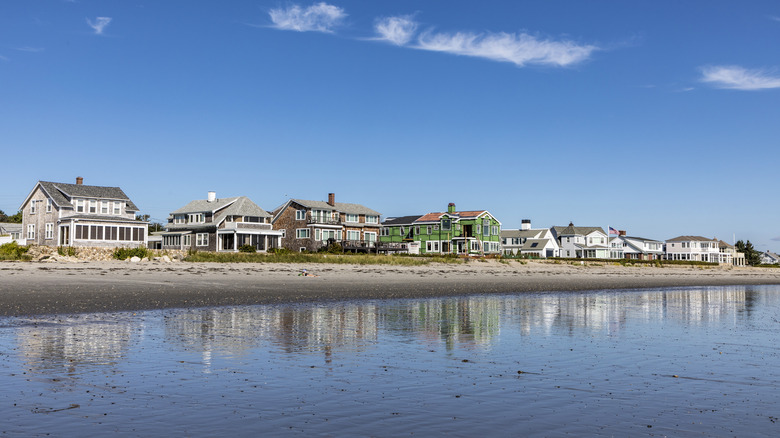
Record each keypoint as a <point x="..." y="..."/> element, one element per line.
<point x="752" y="257"/>
<point x="14" y="219"/>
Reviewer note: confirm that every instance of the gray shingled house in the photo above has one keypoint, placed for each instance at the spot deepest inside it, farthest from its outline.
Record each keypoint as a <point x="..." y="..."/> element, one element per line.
<point x="224" y="224"/>
<point x="62" y="214"/>
<point x="311" y="225"/>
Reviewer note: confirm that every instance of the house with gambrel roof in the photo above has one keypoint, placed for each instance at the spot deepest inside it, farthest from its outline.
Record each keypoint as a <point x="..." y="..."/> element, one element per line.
<point x="313" y="225"/>
<point x="62" y="214"/>
<point x="220" y="224"/>
<point x="473" y="232"/>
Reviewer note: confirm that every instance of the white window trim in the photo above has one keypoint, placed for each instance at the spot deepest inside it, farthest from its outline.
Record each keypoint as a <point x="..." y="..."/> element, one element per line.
<point x="372" y="219"/>
<point x="202" y="239"/>
<point x="32" y="206"/>
<point x="31" y="231"/>
<point x="93" y="204"/>
<point x="117" y="207"/>
<point x="300" y="215"/>
<point x="48" y="205"/>
<point x="49" y="231"/>
<point x="303" y="233"/>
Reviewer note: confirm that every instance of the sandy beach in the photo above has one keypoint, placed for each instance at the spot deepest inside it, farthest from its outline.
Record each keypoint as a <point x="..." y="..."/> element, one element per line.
<point x="58" y="287"/>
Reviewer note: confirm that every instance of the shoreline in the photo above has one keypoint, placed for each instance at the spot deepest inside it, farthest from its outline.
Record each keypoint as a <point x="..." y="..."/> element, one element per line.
<point x="40" y="288"/>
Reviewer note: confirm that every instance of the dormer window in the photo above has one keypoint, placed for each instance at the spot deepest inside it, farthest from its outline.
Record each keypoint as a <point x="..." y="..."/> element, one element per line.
<point x="93" y="206"/>
<point x="352" y="217"/>
<point x="372" y="219"/>
<point x="179" y="219"/>
<point x="103" y="207"/>
<point x="196" y="218"/>
<point x="80" y="205"/>
<point x="117" y="207"/>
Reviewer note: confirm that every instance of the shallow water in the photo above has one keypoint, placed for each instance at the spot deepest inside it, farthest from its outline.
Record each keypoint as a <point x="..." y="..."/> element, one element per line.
<point x="680" y="362"/>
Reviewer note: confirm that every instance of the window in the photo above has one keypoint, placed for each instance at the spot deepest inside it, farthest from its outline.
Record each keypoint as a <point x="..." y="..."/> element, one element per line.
<point x="317" y="234"/>
<point x="80" y="205"/>
<point x="103" y="207"/>
<point x="300" y="215"/>
<point x="117" y="207"/>
<point x="494" y="229"/>
<point x="417" y="230"/>
<point x="202" y="239"/>
<point x="32" y="206"/>
<point x="179" y="219"/>
<point x="401" y="230"/>
<point x="432" y="246"/>
<point x="429" y="228"/>
<point x="353" y="235"/>
<point x="187" y="240"/>
<point x="384" y="231"/>
<point x="372" y="219"/>
<point x="138" y="235"/>
<point x="302" y="233"/>
<point x="352" y="217"/>
<point x="284" y="234"/>
<point x="196" y="218"/>
<point x="486" y="230"/>
<point x="446" y="224"/>
<point x="50" y="231"/>
<point x="370" y="236"/>
<point x="93" y="206"/>
<point x="48" y="205"/>
<point x="31" y="231"/>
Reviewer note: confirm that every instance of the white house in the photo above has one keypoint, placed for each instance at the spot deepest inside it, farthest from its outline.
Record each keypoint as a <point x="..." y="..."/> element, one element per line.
<point x="538" y="242"/>
<point x="637" y="248"/>
<point x="770" y="258"/>
<point x="582" y="242"/>
<point x="11" y="233"/>
<point x="695" y="248"/>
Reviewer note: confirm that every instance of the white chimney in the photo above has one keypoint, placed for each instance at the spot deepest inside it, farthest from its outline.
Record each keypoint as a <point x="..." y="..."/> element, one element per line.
<point x="526" y="224"/>
<point x="212" y="196"/>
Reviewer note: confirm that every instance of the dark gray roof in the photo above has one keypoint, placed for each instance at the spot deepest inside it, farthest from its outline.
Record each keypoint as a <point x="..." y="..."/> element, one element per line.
<point x="403" y="220"/>
<point x="222" y="207"/>
<point x="62" y="193"/>
<point x="529" y="244"/>
<point x="341" y="207"/>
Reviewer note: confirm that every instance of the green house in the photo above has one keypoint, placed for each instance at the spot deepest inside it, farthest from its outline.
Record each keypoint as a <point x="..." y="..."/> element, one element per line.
<point x="474" y="232"/>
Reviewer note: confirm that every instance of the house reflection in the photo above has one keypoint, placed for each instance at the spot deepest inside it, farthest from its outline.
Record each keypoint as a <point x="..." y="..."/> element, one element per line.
<point x="69" y="348"/>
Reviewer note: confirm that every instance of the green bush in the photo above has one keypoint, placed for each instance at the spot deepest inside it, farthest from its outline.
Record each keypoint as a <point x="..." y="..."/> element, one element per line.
<point x="13" y="251"/>
<point x="247" y="248"/>
<point x="66" y="251"/>
<point x="126" y="253"/>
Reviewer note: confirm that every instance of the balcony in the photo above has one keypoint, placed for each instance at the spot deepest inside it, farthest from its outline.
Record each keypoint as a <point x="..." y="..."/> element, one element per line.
<point x="246" y="226"/>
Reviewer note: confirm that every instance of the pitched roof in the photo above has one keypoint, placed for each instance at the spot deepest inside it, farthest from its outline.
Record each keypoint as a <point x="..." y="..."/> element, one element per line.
<point x="436" y="216"/>
<point x="402" y="220"/>
<point x="242" y="207"/>
<point x="204" y="206"/>
<point x="520" y="233"/>
<point x="8" y="227"/>
<point x="341" y="207"/>
<point x="534" y="244"/>
<point x="572" y="230"/>
<point x="62" y="193"/>
<point x="691" y="239"/>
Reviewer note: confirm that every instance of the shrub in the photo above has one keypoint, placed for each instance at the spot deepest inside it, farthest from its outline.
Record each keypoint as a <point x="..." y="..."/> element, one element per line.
<point x="126" y="253"/>
<point x="247" y="248"/>
<point x="66" y="251"/>
<point x="13" y="251"/>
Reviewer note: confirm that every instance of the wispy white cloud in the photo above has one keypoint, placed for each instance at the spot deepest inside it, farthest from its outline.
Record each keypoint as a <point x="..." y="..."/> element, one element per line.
<point x="520" y="49"/>
<point x="320" y="17"/>
<point x="396" y="30"/>
<point x="3" y="58"/>
<point x="739" y="78"/>
<point x="774" y="17"/>
<point x="99" y="24"/>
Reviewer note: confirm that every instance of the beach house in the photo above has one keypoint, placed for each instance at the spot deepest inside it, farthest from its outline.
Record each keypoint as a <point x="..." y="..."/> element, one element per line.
<point x="695" y="248"/>
<point x="530" y="242"/>
<point x="312" y="225"/>
<point x="62" y="214"/>
<point x="220" y="224"/>
<point x="582" y="242"/>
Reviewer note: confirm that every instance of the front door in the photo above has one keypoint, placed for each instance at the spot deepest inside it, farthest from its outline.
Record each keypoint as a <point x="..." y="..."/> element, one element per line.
<point x="64" y="235"/>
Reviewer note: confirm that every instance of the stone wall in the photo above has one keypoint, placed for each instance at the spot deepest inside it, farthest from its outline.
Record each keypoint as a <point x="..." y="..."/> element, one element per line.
<point x="46" y="253"/>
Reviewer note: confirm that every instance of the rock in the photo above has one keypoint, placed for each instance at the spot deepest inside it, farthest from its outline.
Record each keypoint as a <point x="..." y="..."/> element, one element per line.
<point x="166" y="259"/>
<point x="135" y="259"/>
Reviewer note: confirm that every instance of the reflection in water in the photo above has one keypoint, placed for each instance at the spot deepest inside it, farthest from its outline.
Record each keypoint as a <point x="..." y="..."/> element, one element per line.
<point x="462" y="322"/>
<point x="204" y="371"/>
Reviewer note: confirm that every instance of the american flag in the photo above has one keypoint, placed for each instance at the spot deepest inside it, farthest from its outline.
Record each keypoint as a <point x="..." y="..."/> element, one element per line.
<point x="613" y="231"/>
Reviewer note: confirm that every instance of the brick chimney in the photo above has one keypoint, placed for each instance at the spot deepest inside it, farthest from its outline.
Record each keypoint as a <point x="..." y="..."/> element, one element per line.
<point x="79" y="180"/>
<point x="331" y="199"/>
<point x="621" y="232"/>
<point x="451" y="208"/>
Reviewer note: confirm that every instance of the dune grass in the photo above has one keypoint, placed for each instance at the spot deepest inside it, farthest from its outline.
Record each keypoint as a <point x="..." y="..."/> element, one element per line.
<point x="295" y="257"/>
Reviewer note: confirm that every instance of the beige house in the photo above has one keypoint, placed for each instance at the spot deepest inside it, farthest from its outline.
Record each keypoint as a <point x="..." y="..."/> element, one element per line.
<point x="729" y="252"/>
<point x="62" y="214"/>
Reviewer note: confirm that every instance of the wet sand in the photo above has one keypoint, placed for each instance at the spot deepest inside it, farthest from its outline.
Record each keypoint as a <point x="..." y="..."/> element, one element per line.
<point x="61" y="287"/>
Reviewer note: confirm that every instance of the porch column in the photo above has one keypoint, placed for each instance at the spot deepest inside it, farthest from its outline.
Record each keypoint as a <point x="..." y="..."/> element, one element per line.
<point x="235" y="241"/>
<point x="265" y="242"/>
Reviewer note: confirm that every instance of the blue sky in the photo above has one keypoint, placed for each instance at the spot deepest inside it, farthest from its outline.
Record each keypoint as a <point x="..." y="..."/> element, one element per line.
<point x="658" y="117"/>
